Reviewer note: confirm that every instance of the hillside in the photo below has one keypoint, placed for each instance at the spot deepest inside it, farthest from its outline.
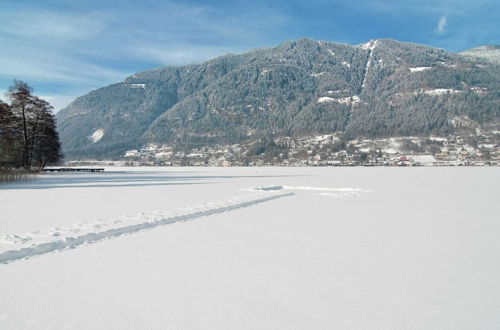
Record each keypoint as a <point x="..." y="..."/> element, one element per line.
<point x="489" y="52"/>
<point x="381" y="88"/>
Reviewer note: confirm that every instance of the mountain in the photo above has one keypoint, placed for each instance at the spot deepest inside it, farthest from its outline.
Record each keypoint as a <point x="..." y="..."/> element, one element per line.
<point x="489" y="52"/>
<point x="380" y="88"/>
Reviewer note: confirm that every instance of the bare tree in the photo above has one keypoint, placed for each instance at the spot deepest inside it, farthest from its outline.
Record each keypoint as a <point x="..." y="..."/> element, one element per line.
<point x="21" y="98"/>
<point x="37" y="126"/>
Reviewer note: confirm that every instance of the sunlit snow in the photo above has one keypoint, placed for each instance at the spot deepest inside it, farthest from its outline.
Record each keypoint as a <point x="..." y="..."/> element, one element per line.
<point x="97" y="135"/>
<point x="346" y="64"/>
<point x="252" y="248"/>
<point x="343" y="100"/>
<point x="419" y="68"/>
<point x="440" y="91"/>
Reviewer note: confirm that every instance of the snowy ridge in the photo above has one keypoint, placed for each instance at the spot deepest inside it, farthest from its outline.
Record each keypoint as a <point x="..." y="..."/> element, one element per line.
<point x="57" y="239"/>
<point x="370" y="45"/>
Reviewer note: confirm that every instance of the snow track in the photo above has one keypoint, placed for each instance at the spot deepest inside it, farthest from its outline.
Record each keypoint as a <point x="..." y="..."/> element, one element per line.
<point x="370" y="46"/>
<point x="38" y="243"/>
<point x="322" y="191"/>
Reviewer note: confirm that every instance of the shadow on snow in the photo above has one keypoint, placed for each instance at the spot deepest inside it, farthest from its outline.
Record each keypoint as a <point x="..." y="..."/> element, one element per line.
<point x="123" y="179"/>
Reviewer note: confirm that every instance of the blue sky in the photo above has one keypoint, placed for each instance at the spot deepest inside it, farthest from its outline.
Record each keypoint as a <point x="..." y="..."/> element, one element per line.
<point x="65" y="48"/>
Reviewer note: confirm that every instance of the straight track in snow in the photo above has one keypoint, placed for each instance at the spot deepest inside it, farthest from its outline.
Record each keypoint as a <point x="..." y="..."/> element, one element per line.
<point x="65" y="242"/>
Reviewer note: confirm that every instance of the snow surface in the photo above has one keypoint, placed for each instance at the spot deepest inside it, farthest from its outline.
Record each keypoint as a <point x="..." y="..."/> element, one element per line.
<point x="316" y="75"/>
<point x="424" y="159"/>
<point x="479" y="90"/>
<point x="346" y="64"/>
<point x="15" y="247"/>
<point x="312" y="248"/>
<point x="440" y="91"/>
<point x="342" y="100"/>
<point x="326" y="99"/>
<point x="368" y="46"/>
<point x="420" y="68"/>
<point x="97" y="135"/>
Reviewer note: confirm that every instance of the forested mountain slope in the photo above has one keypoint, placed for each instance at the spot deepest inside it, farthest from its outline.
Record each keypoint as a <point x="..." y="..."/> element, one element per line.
<point x="303" y="87"/>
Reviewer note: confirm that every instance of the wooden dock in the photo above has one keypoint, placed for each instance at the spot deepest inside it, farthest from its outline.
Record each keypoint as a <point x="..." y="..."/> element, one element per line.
<point x="72" y="169"/>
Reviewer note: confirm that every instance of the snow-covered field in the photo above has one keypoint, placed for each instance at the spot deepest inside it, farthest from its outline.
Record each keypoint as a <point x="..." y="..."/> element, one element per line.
<point x="252" y="248"/>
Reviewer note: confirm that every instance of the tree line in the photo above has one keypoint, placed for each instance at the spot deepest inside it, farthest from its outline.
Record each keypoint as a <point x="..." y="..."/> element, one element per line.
<point x="28" y="135"/>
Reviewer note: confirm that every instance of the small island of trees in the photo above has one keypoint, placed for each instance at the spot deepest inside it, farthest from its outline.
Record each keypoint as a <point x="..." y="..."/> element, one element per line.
<point x="28" y="137"/>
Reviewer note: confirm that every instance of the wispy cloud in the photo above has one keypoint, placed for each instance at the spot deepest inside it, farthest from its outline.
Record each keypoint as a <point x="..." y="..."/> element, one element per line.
<point x="65" y="48"/>
<point x="42" y="23"/>
<point x="28" y="62"/>
<point x="89" y="44"/>
<point x="441" y="26"/>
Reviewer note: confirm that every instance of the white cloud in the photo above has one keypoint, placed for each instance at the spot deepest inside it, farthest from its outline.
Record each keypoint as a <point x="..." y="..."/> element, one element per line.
<point x="79" y="50"/>
<point x="48" y="47"/>
<point x="54" y="68"/>
<point x="441" y="26"/>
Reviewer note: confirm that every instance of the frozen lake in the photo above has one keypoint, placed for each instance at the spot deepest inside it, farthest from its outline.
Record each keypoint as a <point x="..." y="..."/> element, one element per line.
<point x="198" y="248"/>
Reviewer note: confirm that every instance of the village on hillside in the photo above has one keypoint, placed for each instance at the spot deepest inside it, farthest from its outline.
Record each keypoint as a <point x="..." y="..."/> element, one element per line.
<point x="482" y="149"/>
